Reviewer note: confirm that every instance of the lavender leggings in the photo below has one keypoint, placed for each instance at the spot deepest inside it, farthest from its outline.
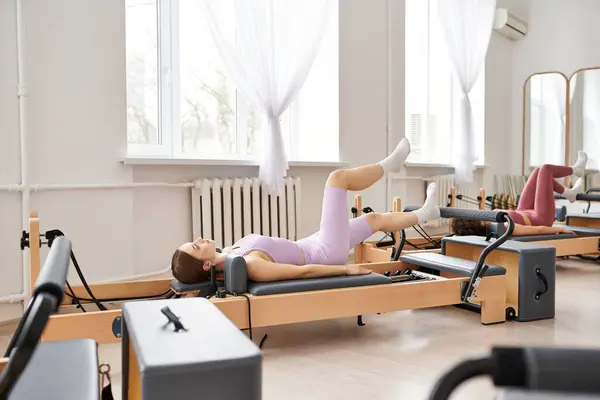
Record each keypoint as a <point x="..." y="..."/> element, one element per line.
<point x="337" y="234"/>
<point x="537" y="199"/>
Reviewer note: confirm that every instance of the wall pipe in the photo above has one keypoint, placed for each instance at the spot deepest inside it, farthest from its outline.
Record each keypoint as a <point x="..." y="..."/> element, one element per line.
<point x="22" y="95"/>
<point x="92" y="186"/>
<point x="25" y="188"/>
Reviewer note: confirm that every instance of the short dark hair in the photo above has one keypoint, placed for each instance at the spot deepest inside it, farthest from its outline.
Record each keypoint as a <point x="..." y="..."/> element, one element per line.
<point x="187" y="268"/>
<point x="467" y="227"/>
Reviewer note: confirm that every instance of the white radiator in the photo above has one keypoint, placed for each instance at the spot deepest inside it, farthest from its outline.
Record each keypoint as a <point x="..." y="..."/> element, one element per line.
<point x="225" y="210"/>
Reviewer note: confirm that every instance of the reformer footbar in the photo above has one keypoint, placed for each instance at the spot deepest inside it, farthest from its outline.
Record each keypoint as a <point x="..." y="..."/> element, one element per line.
<point x="550" y="371"/>
<point x="468" y="292"/>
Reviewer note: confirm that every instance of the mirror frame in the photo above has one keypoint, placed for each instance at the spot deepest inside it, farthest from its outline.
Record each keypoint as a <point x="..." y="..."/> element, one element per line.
<point x="567" y="115"/>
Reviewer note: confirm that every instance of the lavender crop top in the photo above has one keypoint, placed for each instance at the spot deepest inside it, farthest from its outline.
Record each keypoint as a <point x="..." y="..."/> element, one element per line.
<point x="280" y="250"/>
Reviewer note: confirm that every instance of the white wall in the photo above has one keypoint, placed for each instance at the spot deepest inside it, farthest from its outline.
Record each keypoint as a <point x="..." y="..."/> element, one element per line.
<point x="75" y="51"/>
<point x="562" y="37"/>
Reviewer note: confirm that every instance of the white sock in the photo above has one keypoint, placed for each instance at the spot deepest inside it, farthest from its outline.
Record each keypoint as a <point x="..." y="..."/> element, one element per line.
<point x="571" y="194"/>
<point x="579" y="166"/>
<point x="430" y="210"/>
<point x="395" y="161"/>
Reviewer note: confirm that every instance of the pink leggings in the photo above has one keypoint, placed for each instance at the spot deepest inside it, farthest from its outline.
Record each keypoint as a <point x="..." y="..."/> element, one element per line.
<point x="337" y="234"/>
<point x="537" y="199"/>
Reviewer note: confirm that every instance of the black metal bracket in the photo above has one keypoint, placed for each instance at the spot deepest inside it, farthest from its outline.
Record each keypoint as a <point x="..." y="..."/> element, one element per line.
<point x="174" y="319"/>
<point x="116" y="327"/>
<point x="480" y="266"/>
<point x="538" y="272"/>
<point x="25" y="240"/>
<point x="359" y="321"/>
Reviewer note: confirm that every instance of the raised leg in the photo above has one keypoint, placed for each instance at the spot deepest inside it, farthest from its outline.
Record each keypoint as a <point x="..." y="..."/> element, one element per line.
<point x="527" y="200"/>
<point x="361" y="178"/>
<point x="544" y="192"/>
<point x="396" y="221"/>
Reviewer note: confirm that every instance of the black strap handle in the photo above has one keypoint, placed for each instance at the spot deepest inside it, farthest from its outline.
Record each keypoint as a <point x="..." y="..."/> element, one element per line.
<point x="173" y="319"/>
<point x="538" y="272"/>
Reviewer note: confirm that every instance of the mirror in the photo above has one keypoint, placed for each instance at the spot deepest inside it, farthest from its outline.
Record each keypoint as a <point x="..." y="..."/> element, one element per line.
<point x="544" y="124"/>
<point x="584" y="116"/>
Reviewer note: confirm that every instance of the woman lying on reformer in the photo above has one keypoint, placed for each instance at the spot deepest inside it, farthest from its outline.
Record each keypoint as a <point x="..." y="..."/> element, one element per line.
<point x="322" y="254"/>
<point x="536" y="211"/>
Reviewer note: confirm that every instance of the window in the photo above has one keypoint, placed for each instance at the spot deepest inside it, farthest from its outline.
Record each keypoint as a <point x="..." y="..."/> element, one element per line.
<point x="431" y="91"/>
<point x="182" y="104"/>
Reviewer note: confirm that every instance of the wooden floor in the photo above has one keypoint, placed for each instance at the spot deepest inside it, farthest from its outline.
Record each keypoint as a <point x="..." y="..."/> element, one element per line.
<point x="400" y="355"/>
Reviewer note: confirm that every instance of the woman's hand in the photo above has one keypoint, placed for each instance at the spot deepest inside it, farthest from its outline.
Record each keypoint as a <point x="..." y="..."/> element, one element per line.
<point x="355" y="269"/>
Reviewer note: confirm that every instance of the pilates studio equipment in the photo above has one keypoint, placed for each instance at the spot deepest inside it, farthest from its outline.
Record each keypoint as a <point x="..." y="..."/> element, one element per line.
<point x="582" y="243"/>
<point x="529" y="373"/>
<point x="260" y="304"/>
<point x="197" y="353"/>
<point x="65" y="370"/>
<point x="178" y="348"/>
<point x="530" y="269"/>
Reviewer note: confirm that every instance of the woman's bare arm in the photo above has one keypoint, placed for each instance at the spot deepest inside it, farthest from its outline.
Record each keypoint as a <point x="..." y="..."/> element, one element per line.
<point x="261" y="270"/>
<point x="527" y="230"/>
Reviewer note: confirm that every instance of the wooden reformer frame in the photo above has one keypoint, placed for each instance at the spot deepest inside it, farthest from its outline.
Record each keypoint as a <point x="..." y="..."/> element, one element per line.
<point x="277" y="309"/>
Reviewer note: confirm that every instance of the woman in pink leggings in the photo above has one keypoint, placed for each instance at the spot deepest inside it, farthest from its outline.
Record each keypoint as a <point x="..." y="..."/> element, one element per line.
<point x="536" y="211"/>
<point x="324" y="253"/>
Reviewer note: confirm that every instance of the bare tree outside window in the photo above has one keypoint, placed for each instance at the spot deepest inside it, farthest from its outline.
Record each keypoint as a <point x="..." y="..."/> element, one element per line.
<point x="182" y="103"/>
<point x="142" y="84"/>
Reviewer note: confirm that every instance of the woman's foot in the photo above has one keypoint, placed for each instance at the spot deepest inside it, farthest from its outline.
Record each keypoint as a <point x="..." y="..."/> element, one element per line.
<point x="579" y="166"/>
<point x="571" y="194"/>
<point x="430" y="210"/>
<point x="395" y="161"/>
<point x="355" y="269"/>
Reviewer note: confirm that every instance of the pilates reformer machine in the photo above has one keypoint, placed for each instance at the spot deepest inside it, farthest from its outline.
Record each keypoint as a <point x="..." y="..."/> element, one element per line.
<point x="529" y="373"/>
<point x="530" y="261"/>
<point x="164" y="350"/>
<point x="261" y="304"/>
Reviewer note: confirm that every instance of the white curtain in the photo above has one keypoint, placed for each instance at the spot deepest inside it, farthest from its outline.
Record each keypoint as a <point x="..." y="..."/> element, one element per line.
<point x="268" y="48"/>
<point x="468" y="28"/>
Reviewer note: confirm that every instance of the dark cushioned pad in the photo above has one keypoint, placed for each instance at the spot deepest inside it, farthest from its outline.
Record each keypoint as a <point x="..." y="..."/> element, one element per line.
<point x="539" y="238"/>
<point x="306" y="285"/>
<point x="454" y="265"/>
<point x="581" y="230"/>
<point x="510" y="245"/>
<point x="184" y="287"/>
<point x="62" y="370"/>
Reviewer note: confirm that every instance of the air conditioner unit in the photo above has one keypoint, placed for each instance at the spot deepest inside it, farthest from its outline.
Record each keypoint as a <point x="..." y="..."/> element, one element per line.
<point x="509" y="26"/>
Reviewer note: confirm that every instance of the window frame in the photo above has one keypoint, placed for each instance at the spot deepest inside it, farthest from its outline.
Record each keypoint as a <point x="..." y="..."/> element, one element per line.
<point x="169" y="107"/>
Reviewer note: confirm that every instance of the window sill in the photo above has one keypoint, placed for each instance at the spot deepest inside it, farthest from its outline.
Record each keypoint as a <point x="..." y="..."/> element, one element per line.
<point x="167" y="161"/>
